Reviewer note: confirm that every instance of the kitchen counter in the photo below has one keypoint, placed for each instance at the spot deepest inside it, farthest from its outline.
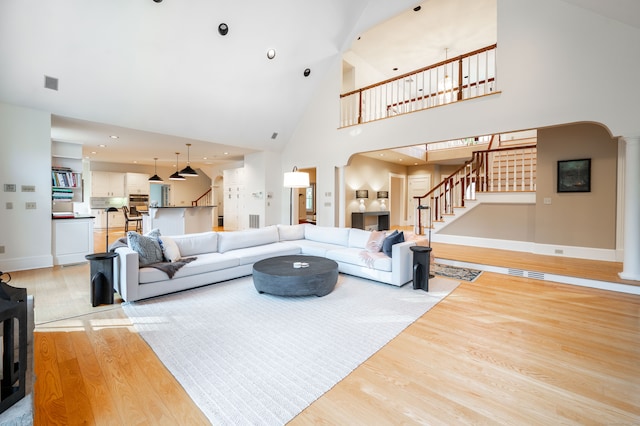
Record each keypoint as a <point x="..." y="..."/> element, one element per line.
<point x="57" y="216"/>
<point x="179" y="220"/>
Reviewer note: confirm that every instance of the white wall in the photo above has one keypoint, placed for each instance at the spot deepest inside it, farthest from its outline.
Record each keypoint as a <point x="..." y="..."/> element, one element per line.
<point x="557" y="64"/>
<point x="262" y="187"/>
<point x="25" y="159"/>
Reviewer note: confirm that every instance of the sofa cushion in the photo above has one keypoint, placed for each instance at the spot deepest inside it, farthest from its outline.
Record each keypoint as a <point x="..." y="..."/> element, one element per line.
<point x="147" y="246"/>
<point x="251" y="237"/>
<point x="250" y="255"/>
<point x="206" y="262"/>
<point x="356" y="256"/>
<point x="193" y="244"/>
<point x="394" y="238"/>
<point x="170" y="249"/>
<point x="325" y="234"/>
<point x="291" y="232"/>
<point x="315" y="248"/>
<point x="358" y="238"/>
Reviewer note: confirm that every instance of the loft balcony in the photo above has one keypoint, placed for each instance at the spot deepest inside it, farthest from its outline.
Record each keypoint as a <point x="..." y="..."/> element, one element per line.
<point x="467" y="76"/>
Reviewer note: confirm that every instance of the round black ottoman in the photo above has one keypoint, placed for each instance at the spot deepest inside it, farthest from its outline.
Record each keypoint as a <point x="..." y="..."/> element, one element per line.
<point x="278" y="276"/>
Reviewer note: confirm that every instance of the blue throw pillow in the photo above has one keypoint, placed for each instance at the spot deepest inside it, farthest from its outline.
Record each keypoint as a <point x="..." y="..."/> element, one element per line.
<point x="394" y="238"/>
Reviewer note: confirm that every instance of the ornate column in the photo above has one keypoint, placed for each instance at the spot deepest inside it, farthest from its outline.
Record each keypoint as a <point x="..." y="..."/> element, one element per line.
<point x="631" y="260"/>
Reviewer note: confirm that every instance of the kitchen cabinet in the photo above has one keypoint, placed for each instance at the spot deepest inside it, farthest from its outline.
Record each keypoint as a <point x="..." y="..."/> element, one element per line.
<point x="107" y="184"/>
<point x="116" y="219"/>
<point x="137" y="183"/>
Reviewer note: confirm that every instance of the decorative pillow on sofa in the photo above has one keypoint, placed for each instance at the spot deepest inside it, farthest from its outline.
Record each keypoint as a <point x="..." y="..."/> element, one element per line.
<point x="170" y="249"/>
<point x="376" y="239"/>
<point x="147" y="246"/>
<point x="394" y="238"/>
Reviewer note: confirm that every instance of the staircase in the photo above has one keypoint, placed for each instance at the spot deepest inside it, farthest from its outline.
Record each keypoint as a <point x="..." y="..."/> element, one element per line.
<point x="507" y="170"/>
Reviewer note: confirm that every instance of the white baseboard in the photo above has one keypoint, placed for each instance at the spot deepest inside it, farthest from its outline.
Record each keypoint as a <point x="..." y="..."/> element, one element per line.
<point x="543" y="276"/>
<point x="610" y="255"/>
<point x="26" y="263"/>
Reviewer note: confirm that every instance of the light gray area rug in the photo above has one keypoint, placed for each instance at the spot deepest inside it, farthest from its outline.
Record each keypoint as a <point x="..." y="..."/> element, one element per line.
<point x="254" y="359"/>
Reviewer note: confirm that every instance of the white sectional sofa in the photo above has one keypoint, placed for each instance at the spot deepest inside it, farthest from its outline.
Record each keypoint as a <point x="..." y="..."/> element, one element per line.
<point x="222" y="256"/>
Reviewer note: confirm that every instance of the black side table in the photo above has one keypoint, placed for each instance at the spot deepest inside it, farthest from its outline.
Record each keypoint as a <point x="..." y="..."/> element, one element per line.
<point x="421" y="261"/>
<point x="101" y="277"/>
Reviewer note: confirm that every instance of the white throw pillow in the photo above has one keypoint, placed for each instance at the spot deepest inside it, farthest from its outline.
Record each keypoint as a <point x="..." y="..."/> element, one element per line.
<point x="170" y="249"/>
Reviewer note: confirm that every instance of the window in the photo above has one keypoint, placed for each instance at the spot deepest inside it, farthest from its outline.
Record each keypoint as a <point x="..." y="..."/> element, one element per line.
<point x="310" y="199"/>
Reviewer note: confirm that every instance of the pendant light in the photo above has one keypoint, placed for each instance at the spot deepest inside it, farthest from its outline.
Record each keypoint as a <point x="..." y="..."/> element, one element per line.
<point x="176" y="175"/>
<point x="188" y="171"/>
<point x="155" y="178"/>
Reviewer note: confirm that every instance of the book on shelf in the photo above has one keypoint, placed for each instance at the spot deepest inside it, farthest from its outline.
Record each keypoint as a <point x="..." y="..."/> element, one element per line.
<point x="64" y="178"/>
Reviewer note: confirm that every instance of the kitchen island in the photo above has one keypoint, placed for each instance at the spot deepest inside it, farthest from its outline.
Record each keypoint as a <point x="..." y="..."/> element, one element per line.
<point x="179" y="220"/>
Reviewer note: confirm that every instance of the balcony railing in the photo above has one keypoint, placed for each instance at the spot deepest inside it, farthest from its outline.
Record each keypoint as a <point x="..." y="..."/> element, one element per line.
<point x="464" y="77"/>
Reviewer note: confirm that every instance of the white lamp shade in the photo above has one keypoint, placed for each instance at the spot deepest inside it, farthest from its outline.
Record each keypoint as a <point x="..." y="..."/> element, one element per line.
<point x="296" y="180"/>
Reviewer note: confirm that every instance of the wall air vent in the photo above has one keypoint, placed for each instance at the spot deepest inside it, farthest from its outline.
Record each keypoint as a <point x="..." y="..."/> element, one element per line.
<point x="50" y="83"/>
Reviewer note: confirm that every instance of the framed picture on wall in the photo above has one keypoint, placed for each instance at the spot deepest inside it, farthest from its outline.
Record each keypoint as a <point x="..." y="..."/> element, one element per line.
<point x="574" y="175"/>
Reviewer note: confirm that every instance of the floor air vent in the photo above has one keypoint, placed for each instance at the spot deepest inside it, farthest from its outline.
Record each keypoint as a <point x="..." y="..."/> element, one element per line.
<point x="516" y="272"/>
<point x="535" y="275"/>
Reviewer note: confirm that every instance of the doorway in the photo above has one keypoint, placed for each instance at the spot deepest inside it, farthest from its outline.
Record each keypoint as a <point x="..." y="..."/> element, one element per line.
<point x="418" y="185"/>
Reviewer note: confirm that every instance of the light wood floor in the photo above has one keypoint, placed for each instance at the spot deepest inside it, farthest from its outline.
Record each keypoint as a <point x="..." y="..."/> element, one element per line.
<point x="500" y="350"/>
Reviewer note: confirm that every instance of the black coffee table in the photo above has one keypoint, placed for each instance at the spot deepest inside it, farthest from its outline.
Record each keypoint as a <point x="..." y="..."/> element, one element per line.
<point x="278" y="276"/>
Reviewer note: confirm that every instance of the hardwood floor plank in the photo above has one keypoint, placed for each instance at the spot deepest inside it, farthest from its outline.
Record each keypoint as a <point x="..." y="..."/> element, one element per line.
<point x="500" y="350"/>
<point x="100" y="400"/>
<point x="49" y="397"/>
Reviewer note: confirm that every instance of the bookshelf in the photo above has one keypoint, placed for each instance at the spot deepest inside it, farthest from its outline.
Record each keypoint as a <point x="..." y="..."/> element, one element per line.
<point x="66" y="179"/>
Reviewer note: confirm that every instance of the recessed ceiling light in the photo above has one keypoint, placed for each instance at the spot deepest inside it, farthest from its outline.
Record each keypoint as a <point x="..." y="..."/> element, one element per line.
<point x="114" y="137"/>
<point x="102" y="145"/>
<point x="93" y="152"/>
<point x="399" y="159"/>
<point x="205" y="158"/>
<point x="226" y="153"/>
<point x="223" y="29"/>
<point x="395" y="68"/>
<point x="307" y="72"/>
<point x="271" y="53"/>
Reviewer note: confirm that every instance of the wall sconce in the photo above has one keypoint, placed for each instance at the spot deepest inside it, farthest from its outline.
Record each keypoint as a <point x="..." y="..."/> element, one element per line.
<point x="382" y="196"/>
<point x="362" y="194"/>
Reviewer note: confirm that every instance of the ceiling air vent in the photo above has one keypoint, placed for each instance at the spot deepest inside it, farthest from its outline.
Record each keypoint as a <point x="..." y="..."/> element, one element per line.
<point x="50" y="83"/>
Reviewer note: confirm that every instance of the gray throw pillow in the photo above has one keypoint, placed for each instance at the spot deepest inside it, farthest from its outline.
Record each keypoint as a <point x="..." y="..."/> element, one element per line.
<point x="147" y="246"/>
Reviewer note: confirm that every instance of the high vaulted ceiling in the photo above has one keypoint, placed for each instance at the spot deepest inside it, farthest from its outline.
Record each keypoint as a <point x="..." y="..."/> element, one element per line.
<point x="159" y="75"/>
